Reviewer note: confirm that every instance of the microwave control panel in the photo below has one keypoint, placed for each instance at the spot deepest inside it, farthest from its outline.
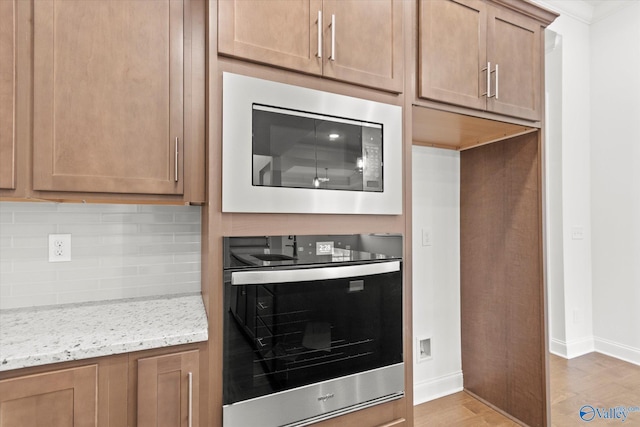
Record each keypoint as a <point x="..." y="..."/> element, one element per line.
<point x="372" y="155"/>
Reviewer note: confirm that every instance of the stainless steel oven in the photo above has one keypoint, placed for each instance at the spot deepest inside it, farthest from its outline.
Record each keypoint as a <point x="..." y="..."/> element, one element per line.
<point x="312" y="327"/>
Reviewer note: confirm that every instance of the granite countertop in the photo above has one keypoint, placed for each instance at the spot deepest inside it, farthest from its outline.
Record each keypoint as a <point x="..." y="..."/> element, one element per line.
<point x="42" y="335"/>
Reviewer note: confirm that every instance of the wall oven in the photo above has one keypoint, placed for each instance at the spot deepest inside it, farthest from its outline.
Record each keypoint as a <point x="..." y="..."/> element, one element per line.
<point x="290" y="149"/>
<point x="312" y="327"/>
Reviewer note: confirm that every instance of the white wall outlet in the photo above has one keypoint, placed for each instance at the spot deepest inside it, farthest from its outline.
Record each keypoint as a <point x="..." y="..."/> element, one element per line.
<point x="577" y="232"/>
<point x="426" y="237"/>
<point x="59" y="247"/>
<point x="423" y="349"/>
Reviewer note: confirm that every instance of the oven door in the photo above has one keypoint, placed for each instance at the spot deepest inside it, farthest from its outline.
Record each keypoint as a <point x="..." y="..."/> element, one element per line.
<point x="330" y="337"/>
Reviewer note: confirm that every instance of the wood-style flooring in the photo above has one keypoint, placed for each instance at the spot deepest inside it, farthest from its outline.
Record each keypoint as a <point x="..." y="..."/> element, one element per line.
<point x="593" y="379"/>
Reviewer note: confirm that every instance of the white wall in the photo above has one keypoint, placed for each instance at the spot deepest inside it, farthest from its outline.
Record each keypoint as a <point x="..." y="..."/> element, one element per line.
<point x="553" y="182"/>
<point x="575" y="164"/>
<point x="436" y="271"/>
<point x="615" y="182"/>
<point x="117" y="251"/>
<point x="600" y="157"/>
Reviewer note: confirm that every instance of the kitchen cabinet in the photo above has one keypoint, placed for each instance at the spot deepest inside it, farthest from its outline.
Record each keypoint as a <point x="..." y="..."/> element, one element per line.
<point x="118" y="97"/>
<point x="168" y="390"/>
<point x="7" y="94"/>
<point x="481" y="55"/>
<point x="348" y="40"/>
<point x="60" y="398"/>
<point x="79" y="394"/>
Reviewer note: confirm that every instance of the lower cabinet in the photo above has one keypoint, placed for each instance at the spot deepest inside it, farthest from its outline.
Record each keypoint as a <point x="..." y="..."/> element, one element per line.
<point x="168" y="390"/>
<point x="160" y="387"/>
<point x="64" y="398"/>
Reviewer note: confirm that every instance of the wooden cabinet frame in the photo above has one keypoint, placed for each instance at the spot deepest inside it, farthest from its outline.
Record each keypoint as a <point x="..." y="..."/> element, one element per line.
<point x="64" y="396"/>
<point x="364" y="47"/>
<point x="502" y="38"/>
<point x="29" y="173"/>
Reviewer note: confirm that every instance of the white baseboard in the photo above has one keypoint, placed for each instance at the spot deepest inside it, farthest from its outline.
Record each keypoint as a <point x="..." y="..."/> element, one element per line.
<point x="437" y="387"/>
<point x="617" y="350"/>
<point x="571" y="349"/>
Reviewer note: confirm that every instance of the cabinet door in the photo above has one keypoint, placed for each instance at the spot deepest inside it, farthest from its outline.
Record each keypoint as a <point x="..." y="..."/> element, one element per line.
<point x="7" y="94"/>
<point x="66" y="398"/>
<point x="283" y="33"/>
<point x="108" y="96"/>
<point x="514" y="45"/>
<point x="452" y="52"/>
<point x="168" y="390"/>
<point x="365" y="44"/>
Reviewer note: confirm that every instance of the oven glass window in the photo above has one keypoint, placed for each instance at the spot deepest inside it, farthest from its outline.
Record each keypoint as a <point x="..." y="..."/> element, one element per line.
<point x="283" y="336"/>
<point x="303" y="150"/>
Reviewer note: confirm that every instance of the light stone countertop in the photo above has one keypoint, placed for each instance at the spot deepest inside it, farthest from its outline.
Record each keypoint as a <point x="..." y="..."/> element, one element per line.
<point x="43" y="335"/>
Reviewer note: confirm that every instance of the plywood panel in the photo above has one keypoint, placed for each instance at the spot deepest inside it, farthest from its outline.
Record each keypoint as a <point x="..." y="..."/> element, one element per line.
<point x="443" y="129"/>
<point x="503" y="348"/>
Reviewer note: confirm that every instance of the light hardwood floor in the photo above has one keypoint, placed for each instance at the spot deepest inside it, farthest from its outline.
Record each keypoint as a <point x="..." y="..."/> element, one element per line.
<point x="593" y="379"/>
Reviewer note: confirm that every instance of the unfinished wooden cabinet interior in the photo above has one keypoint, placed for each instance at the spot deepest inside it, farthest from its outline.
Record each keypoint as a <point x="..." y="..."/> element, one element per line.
<point x="352" y="41"/>
<point x="482" y="54"/>
<point x="168" y="390"/>
<point x="65" y="397"/>
<point x="118" y="102"/>
<point x="8" y="100"/>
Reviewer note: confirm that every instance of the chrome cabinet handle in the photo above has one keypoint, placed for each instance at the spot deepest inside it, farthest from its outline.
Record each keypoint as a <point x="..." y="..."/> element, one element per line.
<point x="488" y="70"/>
<point x="319" y="54"/>
<point x="190" y="399"/>
<point x="176" y="161"/>
<point x="333" y="38"/>
<point x="497" y="81"/>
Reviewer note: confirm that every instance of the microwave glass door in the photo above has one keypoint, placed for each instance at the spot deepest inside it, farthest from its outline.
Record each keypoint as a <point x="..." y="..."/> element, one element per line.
<point x="303" y="150"/>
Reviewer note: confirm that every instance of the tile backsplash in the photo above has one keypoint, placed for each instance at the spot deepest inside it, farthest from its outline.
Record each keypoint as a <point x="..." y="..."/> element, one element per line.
<point x="117" y="251"/>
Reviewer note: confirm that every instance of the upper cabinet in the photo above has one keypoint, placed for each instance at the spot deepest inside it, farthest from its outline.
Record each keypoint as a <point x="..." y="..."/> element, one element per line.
<point x="118" y="97"/>
<point x="7" y="94"/>
<point x="482" y="55"/>
<point x="349" y="40"/>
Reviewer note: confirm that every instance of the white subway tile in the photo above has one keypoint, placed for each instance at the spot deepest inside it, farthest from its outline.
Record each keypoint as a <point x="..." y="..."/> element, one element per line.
<point x="6" y="217"/>
<point x="57" y="218"/>
<point x="118" y="251"/>
<point x="27" y="301"/>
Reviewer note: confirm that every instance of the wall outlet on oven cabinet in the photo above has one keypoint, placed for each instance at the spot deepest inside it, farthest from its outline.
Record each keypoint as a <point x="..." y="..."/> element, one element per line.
<point x="59" y="247"/>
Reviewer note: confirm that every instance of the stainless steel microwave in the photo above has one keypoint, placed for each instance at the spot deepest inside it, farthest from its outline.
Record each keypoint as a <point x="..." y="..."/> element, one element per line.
<point x="289" y="149"/>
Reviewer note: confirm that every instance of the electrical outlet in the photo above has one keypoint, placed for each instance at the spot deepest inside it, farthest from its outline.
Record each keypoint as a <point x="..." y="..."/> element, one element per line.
<point x="423" y="349"/>
<point x="59" y="247"/>
<point x="426" y="237"/>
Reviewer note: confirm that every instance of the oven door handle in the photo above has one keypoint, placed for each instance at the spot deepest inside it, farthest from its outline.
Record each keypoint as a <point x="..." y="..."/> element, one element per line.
<point x="274" y="277"/>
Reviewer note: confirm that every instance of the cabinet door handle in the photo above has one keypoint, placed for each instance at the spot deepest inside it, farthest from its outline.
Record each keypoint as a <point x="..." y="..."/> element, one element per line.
<point x="190" y="375"/>
<point x="333" y="38"/>
<point x="176" y="161"/>
<point x="319" y="54"/>
<point x="488" y="70"/>
<point x="497" y="81"/>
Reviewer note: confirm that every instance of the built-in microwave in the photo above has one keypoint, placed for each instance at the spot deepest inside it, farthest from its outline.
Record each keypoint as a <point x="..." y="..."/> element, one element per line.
<point x="290" y="149"/>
